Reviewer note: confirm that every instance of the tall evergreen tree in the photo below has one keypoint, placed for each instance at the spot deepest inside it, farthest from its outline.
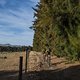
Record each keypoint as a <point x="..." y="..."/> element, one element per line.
<point x="57" y="26"/>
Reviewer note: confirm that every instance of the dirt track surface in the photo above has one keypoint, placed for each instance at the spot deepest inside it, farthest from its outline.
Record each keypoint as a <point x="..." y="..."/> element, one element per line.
<point x="58" y="70"/>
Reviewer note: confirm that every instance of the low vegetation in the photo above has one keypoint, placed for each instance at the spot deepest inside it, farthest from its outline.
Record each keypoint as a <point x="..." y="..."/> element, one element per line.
<point x="14" y="48"/>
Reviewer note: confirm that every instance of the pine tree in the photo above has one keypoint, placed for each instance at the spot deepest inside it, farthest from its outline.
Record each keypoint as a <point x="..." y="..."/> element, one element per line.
<point x="57" y="26"/>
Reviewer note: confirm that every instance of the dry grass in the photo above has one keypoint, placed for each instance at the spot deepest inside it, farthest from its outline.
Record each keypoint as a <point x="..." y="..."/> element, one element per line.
<point x="9" y="65"/>
<point x="10" y="61"/>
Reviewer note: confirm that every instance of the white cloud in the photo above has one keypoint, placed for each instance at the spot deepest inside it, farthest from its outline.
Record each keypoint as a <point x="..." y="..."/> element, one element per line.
<point x="2" y="2"/>
<point x="3" y="33"/>
<point x="35" y="1"/>
<point x="25" y="38"/>
<point x="20" y="19"/>
<point x="17" y="19"/>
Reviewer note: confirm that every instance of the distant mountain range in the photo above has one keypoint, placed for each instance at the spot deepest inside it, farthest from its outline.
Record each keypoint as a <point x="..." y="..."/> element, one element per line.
<point x="10" y="45"/>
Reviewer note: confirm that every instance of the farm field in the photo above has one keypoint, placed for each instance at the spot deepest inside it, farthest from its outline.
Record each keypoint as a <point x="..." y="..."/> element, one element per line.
<point x="59" y="70"/>
<point x="10" y="61"/>
<point x="9" y="65"/>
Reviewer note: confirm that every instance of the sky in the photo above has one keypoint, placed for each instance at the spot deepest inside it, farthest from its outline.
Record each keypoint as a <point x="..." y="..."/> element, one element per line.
<point x="16" y="17"/>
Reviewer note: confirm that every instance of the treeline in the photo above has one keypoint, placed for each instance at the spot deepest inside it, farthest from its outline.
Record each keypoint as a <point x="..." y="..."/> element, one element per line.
<point x="57" y="27"/>
<point x="14" y="49"/>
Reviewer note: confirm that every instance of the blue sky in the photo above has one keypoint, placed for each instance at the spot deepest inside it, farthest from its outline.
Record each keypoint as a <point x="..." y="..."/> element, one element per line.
<point x="16" y="17"/>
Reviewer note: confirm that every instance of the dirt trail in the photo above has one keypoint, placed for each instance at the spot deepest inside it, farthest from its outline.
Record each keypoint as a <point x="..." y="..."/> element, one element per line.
<point x="35" y="58"/>
<point x="59" y="69"/>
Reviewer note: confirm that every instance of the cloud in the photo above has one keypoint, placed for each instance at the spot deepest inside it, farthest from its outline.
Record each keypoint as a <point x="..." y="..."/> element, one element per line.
<point x="23" y="38"/>
<point x="2" y="2"/>
<point x="35" y="1"/>
<point x="18" y="18"/>
<point x="15" y="21"/>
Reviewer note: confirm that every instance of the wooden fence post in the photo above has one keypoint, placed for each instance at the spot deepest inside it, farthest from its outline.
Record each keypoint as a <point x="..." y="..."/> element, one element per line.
<point x="20" y="67"/>
<point x="26" y="62"/>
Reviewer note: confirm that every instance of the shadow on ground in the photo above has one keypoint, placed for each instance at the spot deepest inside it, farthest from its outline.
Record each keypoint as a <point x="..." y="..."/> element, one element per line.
<point x="8" y="75"/>
<point x="71" y="73"/>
